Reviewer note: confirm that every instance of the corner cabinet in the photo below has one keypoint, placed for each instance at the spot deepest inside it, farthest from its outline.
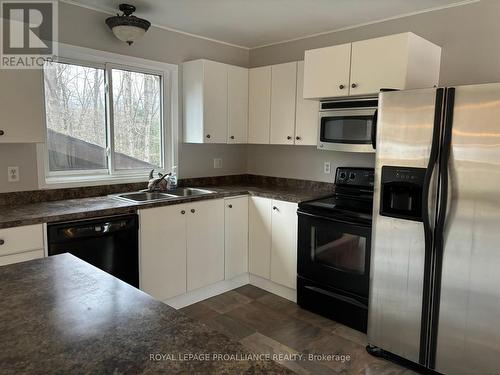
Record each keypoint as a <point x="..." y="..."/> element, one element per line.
<point x="259" y="105"/>
<point x="236" y="237"/>
<point x="278" y="114"/>
<point x="400" y="61"/>
<point x="215" y="102"/>
<point x="273" y="240"/>
<point x="21" y="106"/>
<point x="181" y="247"/>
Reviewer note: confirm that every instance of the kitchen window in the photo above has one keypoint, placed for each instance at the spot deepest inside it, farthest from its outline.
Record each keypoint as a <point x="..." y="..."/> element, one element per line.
<point x="105" y="121"/>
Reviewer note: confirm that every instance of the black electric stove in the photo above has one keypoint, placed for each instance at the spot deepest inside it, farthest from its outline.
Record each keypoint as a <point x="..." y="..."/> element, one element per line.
<point x="334" y="243"/>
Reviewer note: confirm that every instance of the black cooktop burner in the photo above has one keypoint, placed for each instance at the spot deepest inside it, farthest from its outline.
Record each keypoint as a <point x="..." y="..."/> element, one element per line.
<point x="353" y="200"/>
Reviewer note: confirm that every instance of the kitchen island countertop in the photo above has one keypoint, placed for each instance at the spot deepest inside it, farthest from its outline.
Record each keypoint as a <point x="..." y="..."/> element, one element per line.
<point x="62" y="315"/>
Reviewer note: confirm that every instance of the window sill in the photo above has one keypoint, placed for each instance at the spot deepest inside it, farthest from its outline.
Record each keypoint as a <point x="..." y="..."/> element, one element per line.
<point x="83" y="181"/>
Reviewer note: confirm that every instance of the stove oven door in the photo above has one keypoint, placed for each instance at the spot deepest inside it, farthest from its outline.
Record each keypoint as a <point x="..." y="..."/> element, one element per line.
<point x="334" y="253"/>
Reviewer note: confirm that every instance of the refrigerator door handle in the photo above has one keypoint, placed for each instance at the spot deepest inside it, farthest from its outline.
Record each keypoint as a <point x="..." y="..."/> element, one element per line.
<point x="374" y="130"/>
<point x="428" y="227"/>
<point x="440" y="225"/>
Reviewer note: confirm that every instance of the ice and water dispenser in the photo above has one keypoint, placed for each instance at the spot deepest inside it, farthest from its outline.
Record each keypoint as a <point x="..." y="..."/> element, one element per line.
<point x="401" y="192"/>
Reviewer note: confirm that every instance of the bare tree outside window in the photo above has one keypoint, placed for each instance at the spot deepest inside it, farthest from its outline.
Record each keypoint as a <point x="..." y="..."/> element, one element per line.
<point x="137" y="117"/>
<point x="75" y="109"/>
<point x="77" y="113"/>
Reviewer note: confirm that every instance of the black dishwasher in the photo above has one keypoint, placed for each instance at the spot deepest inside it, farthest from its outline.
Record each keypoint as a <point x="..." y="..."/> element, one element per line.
<point x="109" y="243"/>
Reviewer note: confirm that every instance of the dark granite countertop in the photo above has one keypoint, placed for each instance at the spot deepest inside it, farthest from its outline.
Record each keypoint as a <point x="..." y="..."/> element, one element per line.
<point x="60" y="315"/>
<point x="75" y="209"/>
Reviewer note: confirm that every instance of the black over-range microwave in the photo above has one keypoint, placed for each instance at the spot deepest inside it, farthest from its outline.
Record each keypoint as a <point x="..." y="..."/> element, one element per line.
<point x="348" y="125"/>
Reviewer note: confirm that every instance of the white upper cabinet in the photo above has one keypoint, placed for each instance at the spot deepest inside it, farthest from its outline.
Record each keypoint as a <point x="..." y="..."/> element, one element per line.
<point x="326" y="71"/>
<point x="400" y="61"/>
<point x="236" y="237"/>
<point x="237" y="104"/>
<point x="215" y="102"/>
<point x="283" y="96"/>
<point x="21" y="106"/>
<point x="306" y="114"/>
<point x="259" y="105"/>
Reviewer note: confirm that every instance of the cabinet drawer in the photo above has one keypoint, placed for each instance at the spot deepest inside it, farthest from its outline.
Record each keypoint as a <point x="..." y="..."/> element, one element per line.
<point x="20" y="257"/>
<point x="21" y="239"/>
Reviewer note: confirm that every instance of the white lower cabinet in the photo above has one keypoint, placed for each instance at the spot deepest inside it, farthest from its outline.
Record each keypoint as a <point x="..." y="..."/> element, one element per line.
<point x="284" y="244"/>
<point x="205" y="243"/>
<point x="181" y="247"/>
<point x="19" y="244"/>
<point x="163" y="251"/>
<point x="273" y="240"/>
<point x="259" y="236"/>
<point x="236" y="237"/>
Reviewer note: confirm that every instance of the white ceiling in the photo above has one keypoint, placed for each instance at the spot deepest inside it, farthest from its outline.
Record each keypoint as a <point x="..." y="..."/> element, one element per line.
<point x="254" y="23"/>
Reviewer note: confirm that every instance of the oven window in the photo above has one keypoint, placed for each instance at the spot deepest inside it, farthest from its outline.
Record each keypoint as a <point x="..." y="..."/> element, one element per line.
<point x="343" y="251"/>
<point x="346" y="129"/>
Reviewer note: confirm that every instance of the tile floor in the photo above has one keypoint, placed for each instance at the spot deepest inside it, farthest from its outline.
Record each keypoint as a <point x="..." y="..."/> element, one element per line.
<point x="266" y="323"/>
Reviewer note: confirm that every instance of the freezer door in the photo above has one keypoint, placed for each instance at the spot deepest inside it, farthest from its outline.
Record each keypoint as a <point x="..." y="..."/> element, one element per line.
<point x="404" y="139"/>
<point x="469" y="330"/>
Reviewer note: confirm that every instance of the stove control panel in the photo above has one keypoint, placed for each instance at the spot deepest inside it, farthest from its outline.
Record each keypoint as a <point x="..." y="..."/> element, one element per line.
<point x="355" y="176"/>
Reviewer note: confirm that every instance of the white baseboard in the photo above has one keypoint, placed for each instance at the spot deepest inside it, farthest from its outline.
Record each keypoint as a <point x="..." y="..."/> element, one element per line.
<point x="206" y="292"/>
<point x="220" y="287"/>
<point x="272" y="287"/>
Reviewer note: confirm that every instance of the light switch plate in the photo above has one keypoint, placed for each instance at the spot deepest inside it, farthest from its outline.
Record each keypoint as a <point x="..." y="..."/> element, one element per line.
<point x="13" y="174"/>
<point x="327" y="168"/>
<point x="217" y="163"/>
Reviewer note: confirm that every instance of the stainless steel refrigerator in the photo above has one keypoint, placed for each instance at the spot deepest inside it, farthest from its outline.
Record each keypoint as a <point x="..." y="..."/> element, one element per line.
<point x="435" y="279"/>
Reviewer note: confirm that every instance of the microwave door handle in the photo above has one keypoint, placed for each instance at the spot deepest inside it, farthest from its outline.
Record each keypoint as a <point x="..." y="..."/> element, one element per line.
<point x="374" y="129"/>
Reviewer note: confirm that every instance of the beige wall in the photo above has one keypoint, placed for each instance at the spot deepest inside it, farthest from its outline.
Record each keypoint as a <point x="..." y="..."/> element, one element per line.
<point x="469" y="36"/>
<point x="86" y="28"/>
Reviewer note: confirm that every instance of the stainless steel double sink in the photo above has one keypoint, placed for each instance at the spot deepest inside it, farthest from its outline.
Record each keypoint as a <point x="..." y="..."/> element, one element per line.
<point x="155" y="196"/>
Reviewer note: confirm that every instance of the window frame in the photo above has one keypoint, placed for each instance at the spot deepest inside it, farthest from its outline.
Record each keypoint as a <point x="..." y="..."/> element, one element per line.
<point x="169" y="119"/>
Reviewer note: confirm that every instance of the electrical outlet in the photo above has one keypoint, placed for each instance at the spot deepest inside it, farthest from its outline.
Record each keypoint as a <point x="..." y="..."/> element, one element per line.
<point x="327" y="168"/>
<point x="217" y="163"/>
<point x="13" y="174"/>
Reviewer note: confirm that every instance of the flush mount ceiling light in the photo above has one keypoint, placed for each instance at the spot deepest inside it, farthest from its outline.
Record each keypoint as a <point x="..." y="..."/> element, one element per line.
<point x="127" y="28"/>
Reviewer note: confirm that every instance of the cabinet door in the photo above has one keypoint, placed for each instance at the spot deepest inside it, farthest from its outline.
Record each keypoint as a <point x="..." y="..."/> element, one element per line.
<point x="259" y="104"/>
<point x="215" y="102"/>
<point x="283" y="93"/>
<point x="259" y="236"/>
<point x="21" y="257"/>
<point x="236" y="237"/>
<point x="21" y="106"/>
<point x="237" y="102"/>
<point x="326" y="71"/>
<point x="163" y="251"/>
<point x="284" y="243"/>
<point x="306" y="115"/>
<point x="205" y="243"/>
<point x="21" y="239"/>
<point x="379" y="63"/>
